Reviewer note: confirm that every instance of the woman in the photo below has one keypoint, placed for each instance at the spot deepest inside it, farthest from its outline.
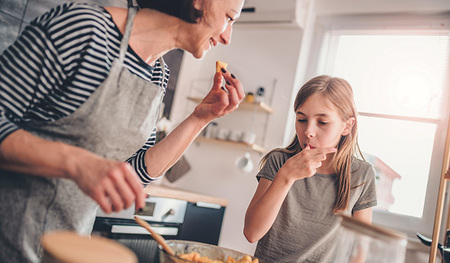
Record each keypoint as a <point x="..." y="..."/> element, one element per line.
<point x="81" y="90"/>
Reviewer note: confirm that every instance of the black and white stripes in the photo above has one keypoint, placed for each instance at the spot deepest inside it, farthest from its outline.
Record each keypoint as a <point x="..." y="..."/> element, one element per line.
<point x="58" y="62"/>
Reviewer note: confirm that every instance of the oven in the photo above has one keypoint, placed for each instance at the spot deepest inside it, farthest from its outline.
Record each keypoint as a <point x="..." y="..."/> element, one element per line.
<point x="172" y="218"/>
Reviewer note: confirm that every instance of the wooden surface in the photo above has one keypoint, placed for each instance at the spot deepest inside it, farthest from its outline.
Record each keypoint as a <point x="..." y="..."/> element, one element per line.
<point x="69" y="247"/>
<point x="244" y="105"/>
<point x="169" y="192"/>
<point x="243" y="145"/>
<point x="441" y="198"/>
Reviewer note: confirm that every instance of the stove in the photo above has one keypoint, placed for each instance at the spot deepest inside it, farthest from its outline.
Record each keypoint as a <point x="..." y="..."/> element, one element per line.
<point x="172" y="218"/>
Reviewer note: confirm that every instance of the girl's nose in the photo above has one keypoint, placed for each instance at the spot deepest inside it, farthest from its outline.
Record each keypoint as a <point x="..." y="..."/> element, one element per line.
<point x="309" y="132"/>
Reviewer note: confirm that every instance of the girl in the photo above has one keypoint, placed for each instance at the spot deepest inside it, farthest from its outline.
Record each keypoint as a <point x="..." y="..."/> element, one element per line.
<point x="304" y="186"/>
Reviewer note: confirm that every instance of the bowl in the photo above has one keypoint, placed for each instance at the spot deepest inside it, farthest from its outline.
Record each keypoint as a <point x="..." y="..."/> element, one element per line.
<point x="211" y="251"/>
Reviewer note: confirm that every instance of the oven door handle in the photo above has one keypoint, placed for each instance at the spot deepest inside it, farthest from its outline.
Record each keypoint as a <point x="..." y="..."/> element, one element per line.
<point x="164" y="231"/>
<point x="208" y="205"/>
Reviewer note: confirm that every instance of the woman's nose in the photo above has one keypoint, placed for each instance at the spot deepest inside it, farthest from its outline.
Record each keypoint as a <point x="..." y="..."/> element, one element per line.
<point x="225" y="37"/>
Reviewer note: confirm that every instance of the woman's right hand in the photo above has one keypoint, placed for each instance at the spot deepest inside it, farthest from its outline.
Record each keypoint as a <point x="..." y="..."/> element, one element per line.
<point x="305" y="163"/>
<point x="113" y="185"/>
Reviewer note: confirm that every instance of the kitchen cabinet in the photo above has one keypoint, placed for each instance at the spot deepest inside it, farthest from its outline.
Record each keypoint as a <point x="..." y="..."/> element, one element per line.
<point x="445" y="176"/>
<point x="255" y="107"/>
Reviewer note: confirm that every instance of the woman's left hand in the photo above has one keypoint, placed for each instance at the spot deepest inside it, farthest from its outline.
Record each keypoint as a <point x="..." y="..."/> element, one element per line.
<point x="219" y="102"/>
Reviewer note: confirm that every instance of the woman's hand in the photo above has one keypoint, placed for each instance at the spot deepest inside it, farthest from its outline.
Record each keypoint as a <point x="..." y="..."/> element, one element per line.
<point x="305" y="163"/>
<point x="219" y="102"/>
<point x="113" y="185"/>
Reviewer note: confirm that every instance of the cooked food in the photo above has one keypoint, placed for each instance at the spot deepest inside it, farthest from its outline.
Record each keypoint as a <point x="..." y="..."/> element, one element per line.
<point x="195" y="257"/>
<point x="220" y="65"/>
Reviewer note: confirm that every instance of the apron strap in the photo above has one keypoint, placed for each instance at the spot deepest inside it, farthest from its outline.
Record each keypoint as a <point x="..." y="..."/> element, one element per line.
<point x="126" y="35"/>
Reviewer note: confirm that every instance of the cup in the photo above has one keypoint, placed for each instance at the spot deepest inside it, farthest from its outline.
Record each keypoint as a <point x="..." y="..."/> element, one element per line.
<point x="248" y="137"/>
<point x="222" y="134"/>
<point x="245" y="163"/>
<point x="235" y="135"/>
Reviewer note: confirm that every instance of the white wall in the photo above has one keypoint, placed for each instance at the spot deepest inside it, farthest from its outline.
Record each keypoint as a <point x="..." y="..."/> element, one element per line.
<point x="259" y="55"/>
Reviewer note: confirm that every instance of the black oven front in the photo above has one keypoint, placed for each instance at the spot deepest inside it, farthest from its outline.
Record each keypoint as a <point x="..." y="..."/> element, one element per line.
<point x="171" y="218"/>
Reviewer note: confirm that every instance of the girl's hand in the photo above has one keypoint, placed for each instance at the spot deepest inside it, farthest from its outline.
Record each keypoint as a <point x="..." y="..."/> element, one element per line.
<point x="305" y="163"/>
<point x="113" y="185"/>
<point x="219" y="102"/>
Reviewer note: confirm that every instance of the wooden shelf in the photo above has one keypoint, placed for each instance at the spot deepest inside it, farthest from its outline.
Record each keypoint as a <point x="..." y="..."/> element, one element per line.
<point x="248" y="106"/>
<point x="243" y="145"/>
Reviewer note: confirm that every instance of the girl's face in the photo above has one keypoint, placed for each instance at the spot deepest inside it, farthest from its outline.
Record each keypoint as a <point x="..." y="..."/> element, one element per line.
<point x="319" y="124"/>
<point x="215" y="26"/>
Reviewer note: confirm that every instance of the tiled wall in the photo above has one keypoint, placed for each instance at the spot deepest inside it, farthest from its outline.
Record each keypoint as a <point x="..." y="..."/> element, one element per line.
<point x="15" y="14"/>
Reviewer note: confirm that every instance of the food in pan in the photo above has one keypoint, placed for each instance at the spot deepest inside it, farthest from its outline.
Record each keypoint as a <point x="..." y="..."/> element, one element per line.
<point x="195" y="257"/>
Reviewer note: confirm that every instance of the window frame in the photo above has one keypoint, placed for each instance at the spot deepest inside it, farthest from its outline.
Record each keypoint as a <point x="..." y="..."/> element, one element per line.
<point x="393" y="23"/>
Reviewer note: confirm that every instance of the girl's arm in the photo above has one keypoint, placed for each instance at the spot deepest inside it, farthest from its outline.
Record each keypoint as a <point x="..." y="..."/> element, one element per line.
<point x="217" y="103"/>
<point x="264" y="207"/>
<point x="269" y="196"/>
<point x="365" y="216"/>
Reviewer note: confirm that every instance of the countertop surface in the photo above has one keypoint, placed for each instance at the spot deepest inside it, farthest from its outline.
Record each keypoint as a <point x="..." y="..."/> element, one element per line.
<point x="176" y="193"/>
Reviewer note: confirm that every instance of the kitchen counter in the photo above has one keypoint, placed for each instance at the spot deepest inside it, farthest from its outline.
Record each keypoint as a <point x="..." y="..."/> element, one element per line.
<point x="169" y="192"/>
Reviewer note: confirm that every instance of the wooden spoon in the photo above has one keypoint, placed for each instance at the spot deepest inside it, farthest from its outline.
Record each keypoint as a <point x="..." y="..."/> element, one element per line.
<point x="155" y="235"/>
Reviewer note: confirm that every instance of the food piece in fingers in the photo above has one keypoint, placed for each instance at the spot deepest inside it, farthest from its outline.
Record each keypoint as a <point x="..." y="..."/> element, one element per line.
<point x="220" y="65"/>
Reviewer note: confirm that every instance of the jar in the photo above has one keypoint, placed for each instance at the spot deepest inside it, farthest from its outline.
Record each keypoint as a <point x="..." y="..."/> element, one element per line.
<point x="250" y="97"/>
<point x="259" y="95"/>
<point x="362" y="242"/>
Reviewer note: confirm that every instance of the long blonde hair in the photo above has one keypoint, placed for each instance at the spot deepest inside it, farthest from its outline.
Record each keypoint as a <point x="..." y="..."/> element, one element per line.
<point x="340" y="94"/>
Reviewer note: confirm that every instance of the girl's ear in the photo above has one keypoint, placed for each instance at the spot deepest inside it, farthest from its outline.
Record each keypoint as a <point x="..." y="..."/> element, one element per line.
<point x="348" y="126"/>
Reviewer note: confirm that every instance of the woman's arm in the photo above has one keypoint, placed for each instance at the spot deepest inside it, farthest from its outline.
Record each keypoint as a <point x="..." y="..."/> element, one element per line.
<point x="113" y="185"/>
<point x="217" y="103"/>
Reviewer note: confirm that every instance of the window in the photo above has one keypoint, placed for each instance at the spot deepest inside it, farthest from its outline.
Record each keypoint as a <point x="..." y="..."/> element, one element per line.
<point x="400" y="82"/>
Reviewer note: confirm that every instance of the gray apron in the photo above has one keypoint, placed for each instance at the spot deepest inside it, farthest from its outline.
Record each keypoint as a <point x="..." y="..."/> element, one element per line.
<point x="114" y="122"/>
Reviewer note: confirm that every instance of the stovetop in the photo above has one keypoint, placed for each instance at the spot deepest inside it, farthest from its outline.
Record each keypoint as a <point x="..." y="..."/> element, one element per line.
<point x="145" y="249"/>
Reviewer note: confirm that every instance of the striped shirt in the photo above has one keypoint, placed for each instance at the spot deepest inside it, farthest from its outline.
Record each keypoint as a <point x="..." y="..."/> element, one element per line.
<point x="57" y="63"/>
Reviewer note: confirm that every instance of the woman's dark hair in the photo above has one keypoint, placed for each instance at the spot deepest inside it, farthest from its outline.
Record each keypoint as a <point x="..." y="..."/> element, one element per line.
<point x="183" y="9"/>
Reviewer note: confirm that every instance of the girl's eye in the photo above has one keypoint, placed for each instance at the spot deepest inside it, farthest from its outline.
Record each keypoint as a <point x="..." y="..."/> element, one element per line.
<point x="323" y="123"/>
<point x="301" y="120"/>
<point x="230" y="19"/>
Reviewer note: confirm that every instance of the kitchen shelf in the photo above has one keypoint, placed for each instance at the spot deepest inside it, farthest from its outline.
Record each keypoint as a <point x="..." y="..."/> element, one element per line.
<point x="253" y="147"/>
<point x="244" y="105"/>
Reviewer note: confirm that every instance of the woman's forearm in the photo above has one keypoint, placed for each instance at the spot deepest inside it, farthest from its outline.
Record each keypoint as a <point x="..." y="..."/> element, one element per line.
<point x="166" y="153"/>
<point x="23" y="152"/>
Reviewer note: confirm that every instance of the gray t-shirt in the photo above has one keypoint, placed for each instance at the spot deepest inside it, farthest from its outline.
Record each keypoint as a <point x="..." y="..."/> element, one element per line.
<point x="305" y="228"/>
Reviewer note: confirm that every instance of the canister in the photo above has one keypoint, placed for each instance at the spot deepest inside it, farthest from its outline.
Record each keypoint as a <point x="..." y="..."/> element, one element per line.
<point x="361" y="242"/>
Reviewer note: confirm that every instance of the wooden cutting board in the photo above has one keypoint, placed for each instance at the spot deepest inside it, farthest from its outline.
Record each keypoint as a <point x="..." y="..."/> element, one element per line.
<point x="69" y="247"/>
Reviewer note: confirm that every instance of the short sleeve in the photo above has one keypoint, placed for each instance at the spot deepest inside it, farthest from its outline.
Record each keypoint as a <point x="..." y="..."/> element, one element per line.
<point x="274" y="162"/>
<point x="368" y="197"/>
